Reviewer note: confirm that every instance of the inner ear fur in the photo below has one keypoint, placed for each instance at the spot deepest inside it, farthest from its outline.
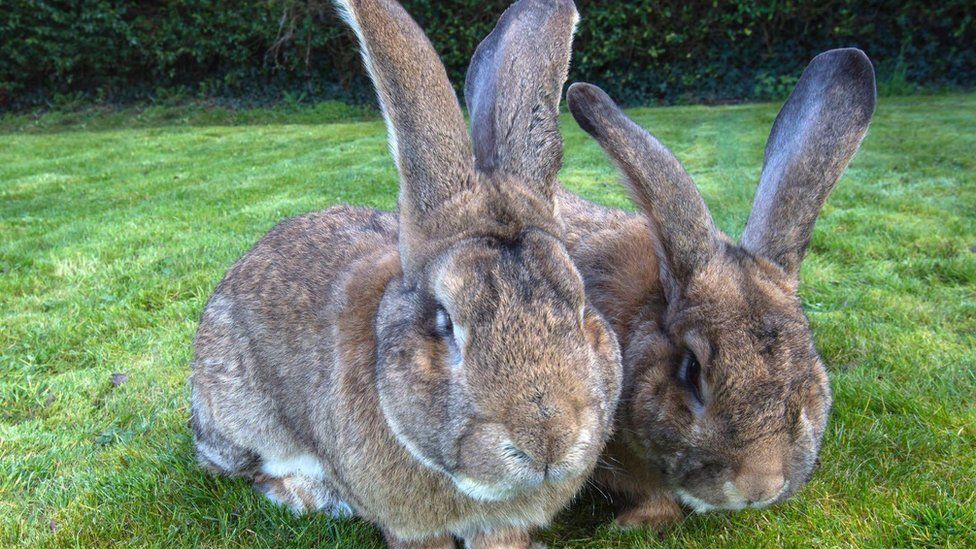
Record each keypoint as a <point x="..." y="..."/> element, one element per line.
<point x="814" y="137"/>
<point x="513" y="89"/>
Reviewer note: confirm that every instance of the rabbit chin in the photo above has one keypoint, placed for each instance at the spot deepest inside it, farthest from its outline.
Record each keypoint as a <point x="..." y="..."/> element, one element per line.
<point x="733" y="500"/>
<point x="484" y="492"/>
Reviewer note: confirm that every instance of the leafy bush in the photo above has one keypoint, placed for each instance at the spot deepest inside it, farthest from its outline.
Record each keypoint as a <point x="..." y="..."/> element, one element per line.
<point x="56" y="52"/>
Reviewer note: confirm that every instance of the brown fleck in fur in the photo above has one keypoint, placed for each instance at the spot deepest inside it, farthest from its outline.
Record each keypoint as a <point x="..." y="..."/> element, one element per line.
<point x="438" y="372"/>
<point x="747" y="430"/>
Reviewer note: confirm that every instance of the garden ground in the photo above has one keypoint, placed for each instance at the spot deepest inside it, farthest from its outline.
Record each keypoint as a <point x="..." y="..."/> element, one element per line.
<point x="115" y="228"/>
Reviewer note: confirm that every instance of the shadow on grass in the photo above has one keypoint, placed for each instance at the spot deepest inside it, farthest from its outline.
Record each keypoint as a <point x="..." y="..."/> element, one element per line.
<point x="591" y="511"/>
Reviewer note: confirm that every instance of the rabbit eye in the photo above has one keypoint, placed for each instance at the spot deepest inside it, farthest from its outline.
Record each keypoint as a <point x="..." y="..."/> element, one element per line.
<point x="451" y="334"/>
<point x="690" y="375"/>
<point x="443" y="324"/>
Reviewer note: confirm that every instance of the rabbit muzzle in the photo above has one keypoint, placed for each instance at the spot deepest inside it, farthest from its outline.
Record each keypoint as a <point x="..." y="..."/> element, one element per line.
<point x="499" y="463"/>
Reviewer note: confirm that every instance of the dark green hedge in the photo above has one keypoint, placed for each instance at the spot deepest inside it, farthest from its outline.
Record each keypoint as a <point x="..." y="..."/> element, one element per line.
<point x="641" y="51"/>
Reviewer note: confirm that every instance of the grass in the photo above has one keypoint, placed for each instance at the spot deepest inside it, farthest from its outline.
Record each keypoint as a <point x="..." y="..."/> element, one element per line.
<point x="115" y="228"/>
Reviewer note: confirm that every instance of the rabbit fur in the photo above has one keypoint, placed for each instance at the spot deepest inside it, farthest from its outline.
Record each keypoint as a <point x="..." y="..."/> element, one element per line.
<point x="436" y="371"/>
<point x="725" y="398"/>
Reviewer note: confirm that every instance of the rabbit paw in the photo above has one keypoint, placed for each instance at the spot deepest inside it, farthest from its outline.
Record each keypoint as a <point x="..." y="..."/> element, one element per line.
<point x="504" y="539"/>
<point x="302" y="495"/>
<point x="657" y="513"/>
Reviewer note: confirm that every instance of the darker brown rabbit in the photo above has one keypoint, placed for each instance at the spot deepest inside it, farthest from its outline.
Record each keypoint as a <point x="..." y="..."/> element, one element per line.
<point x="436" y="372"/>
<point x="725" y="398"/>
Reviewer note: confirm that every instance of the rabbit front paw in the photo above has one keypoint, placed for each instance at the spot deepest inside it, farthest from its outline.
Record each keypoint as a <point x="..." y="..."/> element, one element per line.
<point x="658" y="513"/>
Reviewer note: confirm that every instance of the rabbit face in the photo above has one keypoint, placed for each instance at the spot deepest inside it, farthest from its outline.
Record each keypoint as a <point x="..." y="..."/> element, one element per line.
<point x="497" y="373"/>
<point x="738" y="325"/>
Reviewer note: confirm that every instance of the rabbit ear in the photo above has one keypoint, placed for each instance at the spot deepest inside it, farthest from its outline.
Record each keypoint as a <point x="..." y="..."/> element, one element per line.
<point x="428" y="137"/>
<point x="658" y="183"/>
<point x="513" y="88"/>
<point x="815" y="135"/>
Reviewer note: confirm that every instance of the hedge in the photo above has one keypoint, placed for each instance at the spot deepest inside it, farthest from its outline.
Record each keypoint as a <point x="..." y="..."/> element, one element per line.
<point x="641" y="51"/>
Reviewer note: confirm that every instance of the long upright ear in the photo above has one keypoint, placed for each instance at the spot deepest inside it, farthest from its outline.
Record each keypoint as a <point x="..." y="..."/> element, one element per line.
<point x="513" y="88"/>
<point x="685" y="234"/>
<point x="428" y="137"/>
<point x="814" y="137"/>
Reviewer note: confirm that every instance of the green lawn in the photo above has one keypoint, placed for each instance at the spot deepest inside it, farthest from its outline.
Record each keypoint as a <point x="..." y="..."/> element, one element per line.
<point x="115" y="228"/>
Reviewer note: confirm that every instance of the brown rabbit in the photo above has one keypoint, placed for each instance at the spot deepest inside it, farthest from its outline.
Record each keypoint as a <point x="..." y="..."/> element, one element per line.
<point x="438" y="373"/>
<point x="725" y="399"/>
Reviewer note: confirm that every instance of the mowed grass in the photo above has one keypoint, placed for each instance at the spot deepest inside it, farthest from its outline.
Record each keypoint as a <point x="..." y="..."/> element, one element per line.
<point x="114" y="229"/>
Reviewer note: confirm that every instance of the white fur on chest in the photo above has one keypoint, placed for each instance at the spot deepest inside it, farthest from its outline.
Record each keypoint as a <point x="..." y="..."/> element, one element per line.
<point x="305" y="465"/>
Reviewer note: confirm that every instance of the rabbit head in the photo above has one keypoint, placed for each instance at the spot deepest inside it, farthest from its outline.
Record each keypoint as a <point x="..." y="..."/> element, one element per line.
<point x="492" y="368"/>
<point x="727" y="398"/>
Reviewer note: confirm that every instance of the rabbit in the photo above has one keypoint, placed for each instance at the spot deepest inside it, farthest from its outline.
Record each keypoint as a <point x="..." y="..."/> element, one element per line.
<point x="437" y="372"/>
<point x="725" y="398"/>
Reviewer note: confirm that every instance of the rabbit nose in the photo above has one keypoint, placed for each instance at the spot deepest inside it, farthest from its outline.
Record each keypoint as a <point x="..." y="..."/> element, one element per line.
<point x="759" y="486"/>
<point x="544" y="454"/>
<point x="548" y="437"/>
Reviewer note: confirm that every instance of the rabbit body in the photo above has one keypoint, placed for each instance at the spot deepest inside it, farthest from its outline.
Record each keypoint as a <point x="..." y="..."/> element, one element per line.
<point x="438" y="371"/>
<point x="291" y="331"/>
<point x="725" y="398"/>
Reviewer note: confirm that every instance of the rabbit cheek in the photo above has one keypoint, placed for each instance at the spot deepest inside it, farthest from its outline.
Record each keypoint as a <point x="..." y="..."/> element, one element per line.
<point x="414" y="382"/>
<point x="805" y="449"/>
<point x="483" y="472"/>
<point x="809" y="430"/>
<point x="818" y="402"/>
<point x="656" y="401"/>
<point x="702" y="487"/>
<point x="606" y="354"/>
